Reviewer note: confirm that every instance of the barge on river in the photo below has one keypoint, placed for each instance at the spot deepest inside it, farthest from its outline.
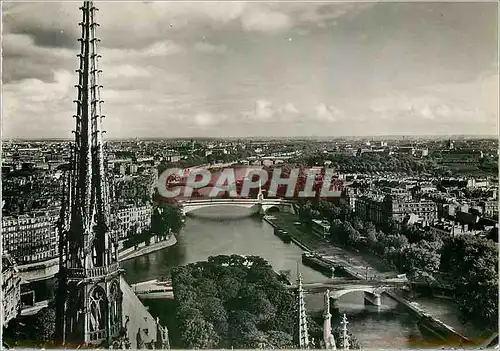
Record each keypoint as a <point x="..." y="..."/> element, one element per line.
<point x="282" y="234"/>
<point x="319" y="263"/>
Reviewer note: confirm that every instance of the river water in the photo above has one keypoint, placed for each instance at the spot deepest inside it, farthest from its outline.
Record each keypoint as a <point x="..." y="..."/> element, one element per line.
<point x="216" y="231"/>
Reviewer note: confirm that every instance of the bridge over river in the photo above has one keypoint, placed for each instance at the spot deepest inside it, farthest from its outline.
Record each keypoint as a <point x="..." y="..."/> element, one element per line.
<point x="256" y="205"/>
<point x="158" y="289"/>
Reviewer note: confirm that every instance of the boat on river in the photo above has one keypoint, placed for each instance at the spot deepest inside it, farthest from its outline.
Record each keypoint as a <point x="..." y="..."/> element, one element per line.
<point x="283" y="235"/>
<point x="318" y="262"/>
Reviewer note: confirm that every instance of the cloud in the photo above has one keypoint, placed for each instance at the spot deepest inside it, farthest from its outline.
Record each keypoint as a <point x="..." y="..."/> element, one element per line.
<point x="22" y="59"/>
<point x="156" y="49"/>
<point x="263" y="109"/>
<point x="266" y="110"/>
<point x="127" y="71"/>
<point x="158" y="76"/>
<point x="210" y="48"/>
<point x="32" y="105"/>
<point x="264" y="20"/>
<point x="288" y="108"/>
<point x="135" y="25"/>
<point x="474" y="101"/>
<point x="327" y="113"/>
<point x="206" y="119"/>
<point x="327" y="14"/>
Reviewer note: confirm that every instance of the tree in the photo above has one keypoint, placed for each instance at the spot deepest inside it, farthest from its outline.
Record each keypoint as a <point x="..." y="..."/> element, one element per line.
<point x="228" y="288"/>
<point x="345" y="211"/>
<point x="390" y="226"/>
<point x="207" y="287"/>
<point x="44" y="325"/>
<point x="335" y="228"/>
<point x="353" y="236"/>
<point x="315" y="214"/>
<point x="197" y="333"/>
<point x="214" y="311"/>
<point x="245" y="301"/>
<point x="396" y="241"/>
<point x="477" y="292"/>
<point x="358" y="224"/>
<point x="344" y="232"/>
<point x="305" y="213"/>
<point x="279" y="340"/>
<point x="338" y="334"/>
<point x="420" y="257"/>
<point x="166" y="218"/>
<point x="371" y="234"/>
<point x="242" y="329"/>
<point x="328" y="210"/>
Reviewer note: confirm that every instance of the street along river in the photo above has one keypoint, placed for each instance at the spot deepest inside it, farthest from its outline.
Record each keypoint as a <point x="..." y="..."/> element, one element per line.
<point x="212" y="231"/>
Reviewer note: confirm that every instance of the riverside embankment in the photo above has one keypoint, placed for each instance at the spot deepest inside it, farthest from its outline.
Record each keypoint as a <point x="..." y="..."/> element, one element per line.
<point x="144" y="249"/>
<point x="450" y="330"/>
<point x="40" y="271"/>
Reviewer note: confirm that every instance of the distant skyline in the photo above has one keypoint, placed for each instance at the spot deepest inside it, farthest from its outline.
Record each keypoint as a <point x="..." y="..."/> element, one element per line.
<point x="442" y="137"/>
<point x="240" y="69"/>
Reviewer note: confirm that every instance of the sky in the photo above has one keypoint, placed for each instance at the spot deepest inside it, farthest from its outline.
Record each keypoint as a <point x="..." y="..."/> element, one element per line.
<point x="236" y="69"/>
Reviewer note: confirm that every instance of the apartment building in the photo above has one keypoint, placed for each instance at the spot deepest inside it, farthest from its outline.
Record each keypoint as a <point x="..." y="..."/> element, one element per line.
<point x="370" y="208"/>
<point x="11" y="289"/>
<point x="31" y="237"/>
<point x="379" y="208"/>
<point x="397" y="208"/>
<point x="131" y="219"/>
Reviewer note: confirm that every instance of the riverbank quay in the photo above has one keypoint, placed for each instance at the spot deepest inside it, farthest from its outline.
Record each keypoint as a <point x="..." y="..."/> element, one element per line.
<point x="154" y="289"/>
<point x="371" y="265"/>
<point x="143" y="249"/>
<point x="40" y="271"/>
<point x="362" y="264"/>
<point x="436" y="326"/>
<point x="273" y="221"/>
<point x="33" y="272"/>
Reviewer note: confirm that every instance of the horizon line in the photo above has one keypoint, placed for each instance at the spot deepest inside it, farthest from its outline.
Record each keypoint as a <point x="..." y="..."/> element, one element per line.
<point x="268" y="137"/>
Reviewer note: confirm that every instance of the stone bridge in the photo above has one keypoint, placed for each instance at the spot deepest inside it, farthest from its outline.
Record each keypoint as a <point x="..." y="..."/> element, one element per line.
<point x="261" y="206"/>
<point x="372" y="293"/>
<point x="373" y="289"/>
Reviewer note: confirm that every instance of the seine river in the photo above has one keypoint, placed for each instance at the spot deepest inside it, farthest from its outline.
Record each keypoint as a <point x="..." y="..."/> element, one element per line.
<point x="216" y="231"/>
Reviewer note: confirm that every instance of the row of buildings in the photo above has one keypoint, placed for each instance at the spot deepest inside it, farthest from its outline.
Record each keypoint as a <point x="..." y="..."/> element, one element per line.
<point x="11" y="290"/>
<point x="32" y="237"/>
<point x="421" y="202"/>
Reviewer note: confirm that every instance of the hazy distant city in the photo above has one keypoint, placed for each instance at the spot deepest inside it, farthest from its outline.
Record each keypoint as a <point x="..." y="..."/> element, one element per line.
<point x="394" y="106"/>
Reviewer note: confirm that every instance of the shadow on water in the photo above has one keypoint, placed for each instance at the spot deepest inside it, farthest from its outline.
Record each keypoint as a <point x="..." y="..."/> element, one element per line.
<point x="160" y="262"/>
<point x="223" y="213"/>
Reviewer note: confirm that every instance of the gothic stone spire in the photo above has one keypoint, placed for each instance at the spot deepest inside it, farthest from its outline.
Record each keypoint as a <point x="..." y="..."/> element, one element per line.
<point x="89" y="297"/>
<point x="345" y="334"/>
<point x="303" y="330"/>
<point x="328" y="337"/>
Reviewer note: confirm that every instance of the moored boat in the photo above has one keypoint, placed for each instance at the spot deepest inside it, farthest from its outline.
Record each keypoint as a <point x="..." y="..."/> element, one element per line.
<point x="283" y="235"/>
<point x="317" y="262"/>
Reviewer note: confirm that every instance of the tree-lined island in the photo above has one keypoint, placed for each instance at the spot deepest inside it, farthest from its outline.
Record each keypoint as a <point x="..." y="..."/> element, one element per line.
<point x="237" y="302"/>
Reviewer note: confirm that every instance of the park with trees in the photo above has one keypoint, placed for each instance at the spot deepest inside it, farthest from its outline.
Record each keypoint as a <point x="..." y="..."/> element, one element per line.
<point x="236" y="302"/>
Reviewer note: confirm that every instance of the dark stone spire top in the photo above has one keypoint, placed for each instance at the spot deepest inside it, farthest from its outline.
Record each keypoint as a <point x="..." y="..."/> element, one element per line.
<point x="89" y="299"/>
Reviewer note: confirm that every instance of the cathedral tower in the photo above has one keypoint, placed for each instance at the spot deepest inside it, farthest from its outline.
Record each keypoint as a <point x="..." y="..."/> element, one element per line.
<point x="89" y="299"/>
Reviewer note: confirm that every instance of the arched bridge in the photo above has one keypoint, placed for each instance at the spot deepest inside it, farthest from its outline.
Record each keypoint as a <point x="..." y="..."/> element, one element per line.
<point x="257" y="206"/>
<point x="373" y="289"/>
